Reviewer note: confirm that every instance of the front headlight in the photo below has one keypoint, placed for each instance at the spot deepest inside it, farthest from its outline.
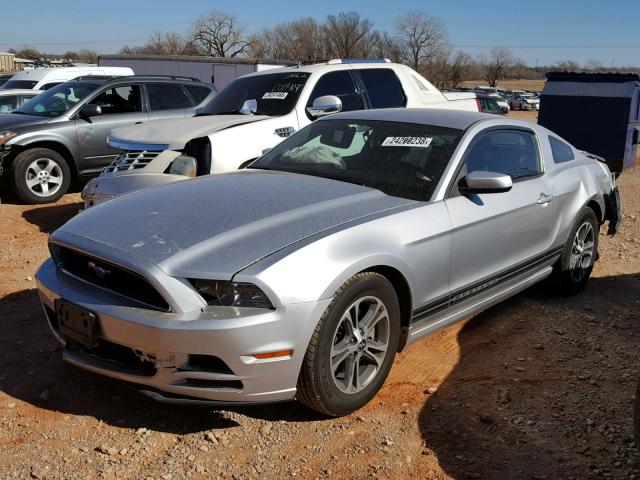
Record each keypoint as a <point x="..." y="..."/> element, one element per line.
<point x="183" y="165"/>
<point x="6" y="136"/>
<point x="231" y="294"/>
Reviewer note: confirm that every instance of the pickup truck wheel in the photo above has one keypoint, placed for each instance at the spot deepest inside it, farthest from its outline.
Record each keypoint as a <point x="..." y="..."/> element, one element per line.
<point x="40" y="175"/>
<point x="352" y="348"/>
<point x="572" y="270"/>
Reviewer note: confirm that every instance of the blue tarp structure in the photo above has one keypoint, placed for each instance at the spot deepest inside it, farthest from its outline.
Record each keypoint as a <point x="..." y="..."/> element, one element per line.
<point x="596" y="112"/>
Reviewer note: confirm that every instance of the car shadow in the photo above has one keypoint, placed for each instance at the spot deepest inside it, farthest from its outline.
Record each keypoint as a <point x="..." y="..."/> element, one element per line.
<point x="32" y="370"/>
<point x="48" y="219"/>
<point x="533" y="395"/>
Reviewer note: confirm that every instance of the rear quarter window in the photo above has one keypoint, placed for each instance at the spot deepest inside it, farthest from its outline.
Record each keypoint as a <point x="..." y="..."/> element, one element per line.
<point x="560" y="151"/>
<point x="383" y="88"/>
<point x="198" y="92"/>
<point x="167" y="96"/>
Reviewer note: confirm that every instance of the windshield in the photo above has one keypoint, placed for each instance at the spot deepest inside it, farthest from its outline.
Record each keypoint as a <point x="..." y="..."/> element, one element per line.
<point x="273" y="94"/>
<point x="22" y="84"/>
<point x="400" y="159"/>
<point x="57" y="100"/>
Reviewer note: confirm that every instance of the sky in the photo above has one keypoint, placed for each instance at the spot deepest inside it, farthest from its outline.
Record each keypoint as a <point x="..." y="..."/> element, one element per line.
<point x="540" y="32"/>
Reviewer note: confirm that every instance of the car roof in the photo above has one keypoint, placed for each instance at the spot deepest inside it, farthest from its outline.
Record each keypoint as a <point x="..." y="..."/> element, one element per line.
<point x="37" y="74"/>
<point x="457" y="119"/>
<point x="330" y="66"/>
<point x="19" y="91"/>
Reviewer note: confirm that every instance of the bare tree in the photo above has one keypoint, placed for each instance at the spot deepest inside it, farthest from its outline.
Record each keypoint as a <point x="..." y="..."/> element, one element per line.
<point x="498" y="65"/>
<point x="460" y="68"/>
<point x="567" y="66"/>
<point x="346" y="34"/>
<point x="87" y="56"/>
<point x="300" y="40"/>
<point x="383" y="45"/>
<point x="594" y="65"/>
<point x="219" y="34"/>
<point x="422" y="37"/>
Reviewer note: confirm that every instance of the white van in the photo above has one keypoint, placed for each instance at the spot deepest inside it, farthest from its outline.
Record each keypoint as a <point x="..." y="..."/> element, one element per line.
<point x="45" y="78"/>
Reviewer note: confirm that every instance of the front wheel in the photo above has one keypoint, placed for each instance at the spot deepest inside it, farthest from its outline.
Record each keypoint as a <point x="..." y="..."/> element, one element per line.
<point x="40" y="175"/>
<point x="573" y="269"/>
<point x="352" y="348"/>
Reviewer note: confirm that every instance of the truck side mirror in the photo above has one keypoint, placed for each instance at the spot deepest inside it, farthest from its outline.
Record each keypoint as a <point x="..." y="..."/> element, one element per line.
<point x="325" y="105"/>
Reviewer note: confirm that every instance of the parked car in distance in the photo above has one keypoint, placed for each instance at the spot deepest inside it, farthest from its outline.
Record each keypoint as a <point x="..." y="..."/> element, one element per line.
<point x="253" y="114"/>
<point x="524" y="101"/>
<point x="488" y="104"/>
<point x="303" y="275"/>
<point x="45" y="78"/>
<point x="12" y="99"/>
<point x="61" y="134"/>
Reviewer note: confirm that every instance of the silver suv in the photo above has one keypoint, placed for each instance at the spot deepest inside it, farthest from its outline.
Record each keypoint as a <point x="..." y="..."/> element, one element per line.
<point x="61" y="134"/>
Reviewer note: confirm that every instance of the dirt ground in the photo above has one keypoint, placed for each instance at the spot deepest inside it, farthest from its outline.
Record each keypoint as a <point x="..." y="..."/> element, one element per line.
<point x="539" y="387"/>
<point x="533" y="85"/>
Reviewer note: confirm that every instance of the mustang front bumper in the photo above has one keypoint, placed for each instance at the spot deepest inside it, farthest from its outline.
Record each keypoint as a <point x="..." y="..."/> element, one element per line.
<point x="202" y="356"/>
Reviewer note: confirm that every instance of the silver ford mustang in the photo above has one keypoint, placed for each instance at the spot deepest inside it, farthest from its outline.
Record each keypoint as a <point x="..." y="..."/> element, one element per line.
<point x="303" y="275"/>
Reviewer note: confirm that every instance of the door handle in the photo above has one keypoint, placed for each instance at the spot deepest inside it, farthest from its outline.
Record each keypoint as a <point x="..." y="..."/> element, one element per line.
<point x="543" y="199"/>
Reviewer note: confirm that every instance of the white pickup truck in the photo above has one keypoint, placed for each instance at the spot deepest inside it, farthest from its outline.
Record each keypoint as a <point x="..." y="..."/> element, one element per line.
<point x="253" y="114"/>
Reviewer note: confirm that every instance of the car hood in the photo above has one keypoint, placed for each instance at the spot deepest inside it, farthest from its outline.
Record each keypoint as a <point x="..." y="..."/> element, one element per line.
<point x="214" y="226"/>
<point x="176" y="133"/>
<point x="8" y="120"/>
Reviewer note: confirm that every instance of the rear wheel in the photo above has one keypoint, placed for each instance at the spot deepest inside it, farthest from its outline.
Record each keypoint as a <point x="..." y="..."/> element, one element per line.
<point x="352" y="348"/>
<point x="573" y="269"/>
<point x="40" y="175"/>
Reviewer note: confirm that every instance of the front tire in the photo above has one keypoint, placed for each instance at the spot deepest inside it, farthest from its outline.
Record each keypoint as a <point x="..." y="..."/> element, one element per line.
<point x="573" y="269"/>
<point x="40" y="175"/>
<point x="352" y="348"/>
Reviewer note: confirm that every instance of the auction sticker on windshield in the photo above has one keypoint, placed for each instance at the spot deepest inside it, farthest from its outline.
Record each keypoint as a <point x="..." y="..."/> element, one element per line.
<point x="274" y="96"/>
<point x="407" y="142"/>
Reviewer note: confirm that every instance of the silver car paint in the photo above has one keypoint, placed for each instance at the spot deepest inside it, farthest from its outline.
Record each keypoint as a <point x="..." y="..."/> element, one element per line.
<point x="321" y="234"/>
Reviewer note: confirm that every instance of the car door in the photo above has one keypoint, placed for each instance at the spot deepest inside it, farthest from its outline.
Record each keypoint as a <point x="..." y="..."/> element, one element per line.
<point x="167" y="100"/>
<point x="121" y="105"/>
<point x="495" y="232"/>
<point x="340" y="84"/>
<point x="381" y="87"/>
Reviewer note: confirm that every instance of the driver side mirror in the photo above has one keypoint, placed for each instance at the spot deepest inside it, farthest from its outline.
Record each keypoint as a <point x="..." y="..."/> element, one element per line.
<point x="325" y="105"/>
<point x="90" y="110"/>
<point x="484" y="182"/>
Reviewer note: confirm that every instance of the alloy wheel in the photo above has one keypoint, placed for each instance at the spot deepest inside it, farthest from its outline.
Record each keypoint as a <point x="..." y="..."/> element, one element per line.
<point x="44" y="177"/>
<point x="360" y="344"/>
<point x="582" y="252"/>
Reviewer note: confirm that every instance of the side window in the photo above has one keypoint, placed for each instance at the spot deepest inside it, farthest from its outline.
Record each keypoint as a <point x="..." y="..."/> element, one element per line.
<point x="8" y="103"/>
<point x="198" y="92"/>
<point x="383" y="88"/>
<point x="167" y="96"/>
<point x="47" y="86"/>
<point x="561" y="151"/>
<point x="512" y="152"/>
<point x="123" y="99"/>
<point x="341" y="85"/>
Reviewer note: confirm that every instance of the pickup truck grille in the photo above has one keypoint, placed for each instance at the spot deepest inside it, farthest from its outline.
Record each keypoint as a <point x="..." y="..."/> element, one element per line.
<point x="110" y="277"/>
<point x="131" y="160"/>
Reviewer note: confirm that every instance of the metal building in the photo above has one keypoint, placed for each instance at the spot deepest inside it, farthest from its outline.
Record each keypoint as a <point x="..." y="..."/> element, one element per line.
<point x="219" y="71"/>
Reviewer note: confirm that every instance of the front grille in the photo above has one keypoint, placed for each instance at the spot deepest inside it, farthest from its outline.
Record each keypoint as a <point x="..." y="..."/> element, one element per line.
<point x="131" y="160"/>
<point x="110" y="277"/>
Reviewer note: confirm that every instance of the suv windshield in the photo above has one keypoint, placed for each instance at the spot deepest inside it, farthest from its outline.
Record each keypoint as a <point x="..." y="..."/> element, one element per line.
<point x="400" y="159"/>
<point x="22" y="84"/>
<point x="272" y="94"/>
<point x="57" y="100"/>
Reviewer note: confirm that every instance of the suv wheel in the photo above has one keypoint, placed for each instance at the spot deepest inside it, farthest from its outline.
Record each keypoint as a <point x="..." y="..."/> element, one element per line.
<point x="352" y="348"/>
<point x="40" y="175"/>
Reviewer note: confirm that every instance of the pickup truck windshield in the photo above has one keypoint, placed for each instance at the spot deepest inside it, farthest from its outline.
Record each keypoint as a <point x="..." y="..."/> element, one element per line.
<point x="57" y="100"/>
<point x="274" y="94"/>
<point x="400" y="159"/>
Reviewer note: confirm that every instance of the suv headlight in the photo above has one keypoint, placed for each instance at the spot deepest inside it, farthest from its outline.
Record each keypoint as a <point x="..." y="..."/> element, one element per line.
<point x="6" y="136"/>
<point x="183" y="165"/>
<point x="232" y="294"/>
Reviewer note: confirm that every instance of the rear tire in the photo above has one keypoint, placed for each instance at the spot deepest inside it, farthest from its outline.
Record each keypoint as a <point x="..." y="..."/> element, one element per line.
<point x="40" y="175"/>
<point x="347" y="361"/>
<point x="572" y="270"/>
